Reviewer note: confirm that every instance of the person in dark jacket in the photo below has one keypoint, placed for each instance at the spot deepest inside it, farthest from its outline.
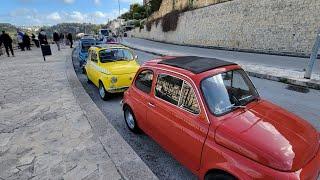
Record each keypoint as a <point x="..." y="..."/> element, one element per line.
<point x="69" y="37"/>
<point x="35" y="41"/>
<point x="20" y="35"/>
<point x="7" y="42"/>
<point x="1" y="53"/>
<point x="26" y="41"/>
<point x="56" y="39"/>
<point x="62" y="40"/>
<point x="42" y="37"/>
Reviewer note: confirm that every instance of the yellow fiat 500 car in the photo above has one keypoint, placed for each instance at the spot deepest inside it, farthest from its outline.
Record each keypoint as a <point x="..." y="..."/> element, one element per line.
<point x="111" y="67"/>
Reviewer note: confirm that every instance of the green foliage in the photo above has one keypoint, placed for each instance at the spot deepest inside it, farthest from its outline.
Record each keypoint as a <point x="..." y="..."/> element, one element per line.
<point x="139" y="12"/>
<point x="154" y="5"/>
<point x="149" y="25"/>
<point x="137" y="24"/>
<point x="136" y="11"/>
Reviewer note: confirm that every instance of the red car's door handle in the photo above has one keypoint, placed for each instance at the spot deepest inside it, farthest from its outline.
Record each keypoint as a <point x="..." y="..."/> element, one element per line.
<point x="151" y="104"/>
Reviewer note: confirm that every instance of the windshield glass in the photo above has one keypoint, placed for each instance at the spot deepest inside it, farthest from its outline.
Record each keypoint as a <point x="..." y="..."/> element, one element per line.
<point x="227" y="91"/>
<point x="109" y="55"/>
<point x="85" y="45"/>
<point x="104" y="32"/>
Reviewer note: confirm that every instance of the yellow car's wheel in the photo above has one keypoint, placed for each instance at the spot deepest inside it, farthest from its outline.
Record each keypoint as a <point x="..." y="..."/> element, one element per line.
<point x="102" y="92"/>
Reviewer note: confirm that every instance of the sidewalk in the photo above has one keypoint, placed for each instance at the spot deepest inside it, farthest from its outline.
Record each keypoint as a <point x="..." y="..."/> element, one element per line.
<point x="277" y="68"/>
<point x="45" y="132"/>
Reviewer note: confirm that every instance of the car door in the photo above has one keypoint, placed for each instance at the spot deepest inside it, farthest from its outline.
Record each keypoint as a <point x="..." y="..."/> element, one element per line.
<point x="95" y="69"/>
<point x="140" y="94"/>
<point x="89" y="68"/>
<point x="177" y="121"/>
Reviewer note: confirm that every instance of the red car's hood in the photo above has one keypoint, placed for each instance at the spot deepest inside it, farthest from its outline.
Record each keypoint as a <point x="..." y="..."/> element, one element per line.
<point x="271" y="136"/>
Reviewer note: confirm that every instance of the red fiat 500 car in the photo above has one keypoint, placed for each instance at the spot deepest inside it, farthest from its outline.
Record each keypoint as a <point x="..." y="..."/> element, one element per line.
<point x="209" y="116"/>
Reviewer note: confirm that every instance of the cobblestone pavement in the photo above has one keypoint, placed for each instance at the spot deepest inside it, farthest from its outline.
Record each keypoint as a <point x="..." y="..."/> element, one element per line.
<point x="43" y="132"/>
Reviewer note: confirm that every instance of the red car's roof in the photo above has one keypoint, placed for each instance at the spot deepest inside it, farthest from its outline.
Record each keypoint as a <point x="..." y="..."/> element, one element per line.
<point x="156" y="63"/>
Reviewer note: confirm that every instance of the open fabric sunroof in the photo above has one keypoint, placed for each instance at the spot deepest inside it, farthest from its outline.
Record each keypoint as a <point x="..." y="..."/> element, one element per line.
<point x="195" y="64"/>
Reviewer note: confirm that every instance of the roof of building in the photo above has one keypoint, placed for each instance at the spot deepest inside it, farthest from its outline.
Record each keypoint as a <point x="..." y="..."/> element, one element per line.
<point x="195" y="64"/>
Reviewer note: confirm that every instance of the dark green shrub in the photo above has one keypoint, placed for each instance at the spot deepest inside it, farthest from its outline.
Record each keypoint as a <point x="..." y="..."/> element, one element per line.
<point x="149" y="25"/>
<point x="170" y="21"/>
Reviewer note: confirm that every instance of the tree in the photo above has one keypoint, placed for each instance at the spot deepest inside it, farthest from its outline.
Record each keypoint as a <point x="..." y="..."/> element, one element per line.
<point x="136" y="11"/>
<point x="155" y="5"/>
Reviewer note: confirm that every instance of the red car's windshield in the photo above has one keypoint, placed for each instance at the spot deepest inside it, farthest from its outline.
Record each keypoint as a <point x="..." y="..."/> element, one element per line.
<point x="227" y="91"/>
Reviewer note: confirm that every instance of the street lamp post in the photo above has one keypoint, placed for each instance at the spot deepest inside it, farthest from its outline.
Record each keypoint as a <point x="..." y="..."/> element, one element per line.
<point x="119" y="7"/>
<point x="313" y="57"/>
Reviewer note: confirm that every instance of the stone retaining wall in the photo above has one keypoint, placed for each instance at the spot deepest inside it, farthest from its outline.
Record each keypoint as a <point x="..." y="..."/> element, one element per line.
<point x="277" y="26"/>
<point x="170" y="5"/>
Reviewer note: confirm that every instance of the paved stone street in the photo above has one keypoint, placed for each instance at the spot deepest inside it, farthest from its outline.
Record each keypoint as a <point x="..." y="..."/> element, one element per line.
<point x="44" y="133"/>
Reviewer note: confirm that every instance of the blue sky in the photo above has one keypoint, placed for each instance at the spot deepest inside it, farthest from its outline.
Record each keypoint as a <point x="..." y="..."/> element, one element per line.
<point x="49" y="12"/>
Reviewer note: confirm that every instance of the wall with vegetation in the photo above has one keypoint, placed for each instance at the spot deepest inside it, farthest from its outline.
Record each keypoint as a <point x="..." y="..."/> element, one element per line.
<point x="280" y="26"/>
<point x="181" y="5"/>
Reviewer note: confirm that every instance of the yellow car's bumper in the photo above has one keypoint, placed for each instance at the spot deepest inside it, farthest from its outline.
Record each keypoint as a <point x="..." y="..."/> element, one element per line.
<point x="117" y="83"/>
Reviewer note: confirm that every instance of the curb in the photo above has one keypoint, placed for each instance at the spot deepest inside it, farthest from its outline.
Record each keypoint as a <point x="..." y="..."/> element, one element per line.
<point x="126" y="161"/>
<point x="313" y="84"/>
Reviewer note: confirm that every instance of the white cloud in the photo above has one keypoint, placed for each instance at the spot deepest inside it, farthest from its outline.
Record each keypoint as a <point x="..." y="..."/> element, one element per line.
<point x="123" y="10"/>
<point x="131" y="1"/>
<point x="29" y="16"/>
<point x="99" y="14"/>
<point x="77" y="16"/>
<point x="68" y="1"/>
<point x="55" y="16"/>
<point x="97" y="2"/>
<point x="23" y="12"/>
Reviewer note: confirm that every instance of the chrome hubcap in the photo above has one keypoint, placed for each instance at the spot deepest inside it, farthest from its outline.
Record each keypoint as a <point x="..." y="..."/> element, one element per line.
<point x="129" y="119"/>
<point x="101" y="91"/>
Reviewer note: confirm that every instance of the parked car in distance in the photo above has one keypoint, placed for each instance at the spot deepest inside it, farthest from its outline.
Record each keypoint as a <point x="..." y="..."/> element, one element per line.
<point x="207" y="113"/>
<point x="111" y="67"/>
<point x="84" y="45"/>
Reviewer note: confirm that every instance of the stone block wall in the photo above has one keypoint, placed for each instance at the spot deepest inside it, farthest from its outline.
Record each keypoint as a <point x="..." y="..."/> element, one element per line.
<point x="277" y="26"/>
<point x="170" y="5"/>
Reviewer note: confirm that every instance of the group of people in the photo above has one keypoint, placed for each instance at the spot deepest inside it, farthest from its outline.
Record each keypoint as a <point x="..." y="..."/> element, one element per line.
<point x="59" y="38"/>
<point x="24" y="41"/>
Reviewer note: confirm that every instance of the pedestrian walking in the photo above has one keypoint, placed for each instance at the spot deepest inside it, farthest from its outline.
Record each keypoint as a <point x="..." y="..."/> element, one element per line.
<point x="26" y="41"/>
<point x="35" y="41"/>
<point x="7" y="42"/>
<point x="62" y="40"/>
<point x="56" y="39"/>
<point x="20" y="40"/>
<point x="1" y="53"/>
<point x="42" y="37"/>
<point x="69" y="37"/>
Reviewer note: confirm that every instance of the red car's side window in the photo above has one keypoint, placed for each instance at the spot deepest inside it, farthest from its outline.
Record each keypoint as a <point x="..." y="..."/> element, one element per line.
<point x="143" y="81"/>
<point x="178" y="92"/>
<point x="168" y="88"/>
<point x="188" y="99"/>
